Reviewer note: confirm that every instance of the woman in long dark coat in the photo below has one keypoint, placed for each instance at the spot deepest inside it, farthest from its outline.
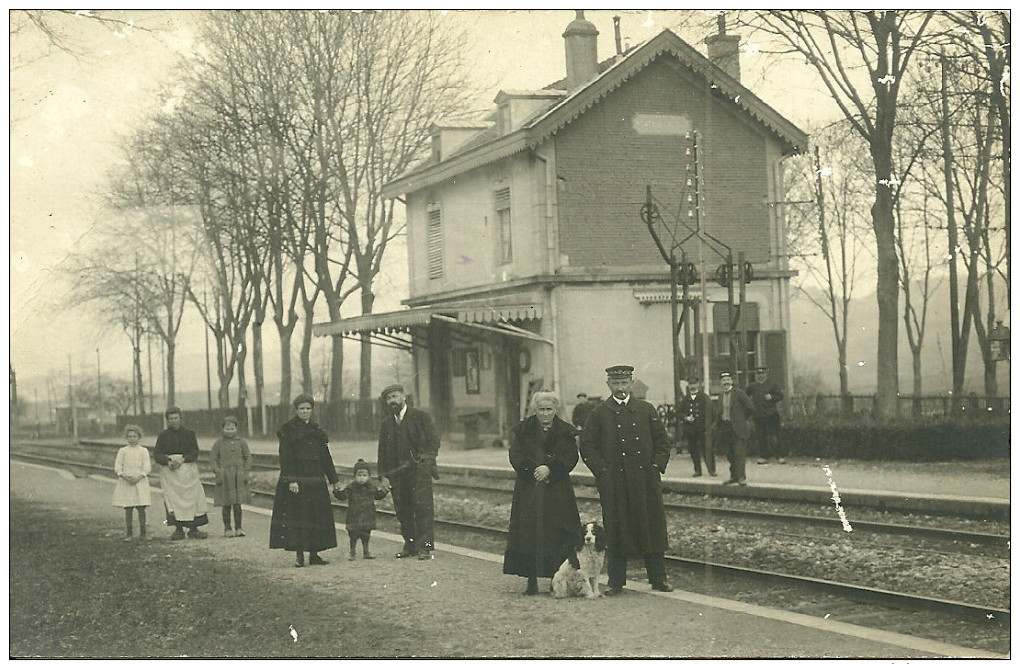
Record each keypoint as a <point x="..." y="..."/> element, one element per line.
<point x="302" y="515"/>
<point x="543" y="518"/>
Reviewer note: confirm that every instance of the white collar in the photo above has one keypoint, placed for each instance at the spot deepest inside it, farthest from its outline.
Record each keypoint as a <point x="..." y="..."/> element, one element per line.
<point x="622" y="403"/>
<point x="399" y="416"/>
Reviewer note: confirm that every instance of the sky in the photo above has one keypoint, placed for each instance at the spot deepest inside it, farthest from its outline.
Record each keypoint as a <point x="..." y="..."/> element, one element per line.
<point x="70" y="111"/>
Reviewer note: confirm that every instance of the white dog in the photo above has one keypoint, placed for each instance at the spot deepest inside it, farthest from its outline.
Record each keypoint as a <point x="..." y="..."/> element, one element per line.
<point x="578" y="576"/>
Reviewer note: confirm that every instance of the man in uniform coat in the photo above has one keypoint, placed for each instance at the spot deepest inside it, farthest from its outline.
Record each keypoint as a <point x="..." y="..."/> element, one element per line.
<point x="765" y="394"/>
<point x="408" y="447"/>
<point x="732" y="427"/>
<point x="625" y="445"/>
<point x="696" y="414"/>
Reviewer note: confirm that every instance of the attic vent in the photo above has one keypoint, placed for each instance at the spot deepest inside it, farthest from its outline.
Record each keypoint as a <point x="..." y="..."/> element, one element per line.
<point x="435" y="242"/>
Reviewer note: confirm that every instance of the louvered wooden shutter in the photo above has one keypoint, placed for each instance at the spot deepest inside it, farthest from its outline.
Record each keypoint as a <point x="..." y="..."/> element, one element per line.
<point x="435" y="243"/>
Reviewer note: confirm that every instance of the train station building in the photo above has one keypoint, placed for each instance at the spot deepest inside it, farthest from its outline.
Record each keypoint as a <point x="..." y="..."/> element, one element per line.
<point x="530" y="263"/>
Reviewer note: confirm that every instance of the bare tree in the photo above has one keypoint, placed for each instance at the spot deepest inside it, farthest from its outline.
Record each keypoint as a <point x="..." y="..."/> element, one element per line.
<point x="826" y="236"/>
<point x="146" y="259"/>
<point x="850" y="50"/>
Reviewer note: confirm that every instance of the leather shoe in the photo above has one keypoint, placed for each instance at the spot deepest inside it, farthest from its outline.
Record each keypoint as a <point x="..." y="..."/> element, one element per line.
<point x="406" y="554"/>
<point x="662" y="587"/>
<point x="315" y="560"/>
<point x="696" y="475"/>
<point x="742" y="482"/>
<point x="612" y="590"/>
<point x="425" y="554"/>
<point x="729" y="481"/>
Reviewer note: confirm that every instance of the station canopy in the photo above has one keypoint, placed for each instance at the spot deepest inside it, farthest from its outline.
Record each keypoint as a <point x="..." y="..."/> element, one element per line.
<point x="469" y="319"/>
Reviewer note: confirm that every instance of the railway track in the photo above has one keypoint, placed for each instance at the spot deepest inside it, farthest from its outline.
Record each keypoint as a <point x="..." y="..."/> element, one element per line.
<point x="997" y="543"/>
<point x="494" y="538"/>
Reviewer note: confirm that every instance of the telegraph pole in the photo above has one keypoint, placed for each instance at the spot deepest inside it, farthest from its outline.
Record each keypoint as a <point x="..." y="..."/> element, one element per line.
<point x="99" y="391"/>
<point x="70" y="397"/>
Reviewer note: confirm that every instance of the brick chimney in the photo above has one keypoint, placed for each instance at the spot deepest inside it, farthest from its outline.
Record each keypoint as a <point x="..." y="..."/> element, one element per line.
<point x="581" y="42"/>
<point x="724" y="50"/>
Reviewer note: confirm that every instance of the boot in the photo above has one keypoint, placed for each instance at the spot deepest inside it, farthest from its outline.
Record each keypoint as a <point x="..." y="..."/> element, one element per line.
<point x="127" y="538"/>
<point x="300" y="562"/>
<point x="532" y="586"/>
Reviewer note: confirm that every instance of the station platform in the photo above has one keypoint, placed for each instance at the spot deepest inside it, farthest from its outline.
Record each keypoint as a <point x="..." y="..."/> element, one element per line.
<point x="985" y="483"/>
<point x="465" y="587"/>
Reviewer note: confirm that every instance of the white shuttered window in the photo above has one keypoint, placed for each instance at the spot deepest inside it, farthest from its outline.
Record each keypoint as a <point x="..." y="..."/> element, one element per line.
<point x="435" y="242"/>
<point x="506" y="245"/>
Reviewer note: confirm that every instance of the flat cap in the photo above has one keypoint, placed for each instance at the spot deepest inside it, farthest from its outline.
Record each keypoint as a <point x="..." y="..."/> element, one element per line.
<point x="395" y="387"/>
<point x="303" y="398"/>
<point x="619" y="370"/>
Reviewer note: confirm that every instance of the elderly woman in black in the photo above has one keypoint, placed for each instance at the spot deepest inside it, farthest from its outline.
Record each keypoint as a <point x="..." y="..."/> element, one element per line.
<point x="302" y="515"/>
<point x="543" y="518"/>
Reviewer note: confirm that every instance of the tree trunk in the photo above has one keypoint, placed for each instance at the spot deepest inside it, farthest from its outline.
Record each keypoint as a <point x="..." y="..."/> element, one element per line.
<point x="242" y="383"/>
<point x="137" y="352"/>
<point x="286" y="332"/>
<point x="171" y="352"/>
<point x="844" y="374"/>
<point x="307" y="384"/>
<point x="888" y="287"/>
<point x="256" y="359"/>
<point x="336" y="363"/>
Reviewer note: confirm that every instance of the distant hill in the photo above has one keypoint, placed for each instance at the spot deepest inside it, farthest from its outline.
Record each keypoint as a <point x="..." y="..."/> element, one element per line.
<point x="814" y="347"/>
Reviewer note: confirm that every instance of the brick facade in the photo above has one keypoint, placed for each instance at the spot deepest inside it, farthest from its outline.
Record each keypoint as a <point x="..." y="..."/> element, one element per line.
<point x="604" y="166"/>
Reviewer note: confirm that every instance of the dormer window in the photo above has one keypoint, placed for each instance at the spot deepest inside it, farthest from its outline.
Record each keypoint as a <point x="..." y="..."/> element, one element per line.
<point x="503" y="118"/>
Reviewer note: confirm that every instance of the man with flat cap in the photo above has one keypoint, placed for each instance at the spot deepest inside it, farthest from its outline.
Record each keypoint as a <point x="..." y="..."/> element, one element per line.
<point x="733" y="414"/>
<point x="765" y="394"/>
<point x="408" y="447"/>
<point x="625" y="445"/>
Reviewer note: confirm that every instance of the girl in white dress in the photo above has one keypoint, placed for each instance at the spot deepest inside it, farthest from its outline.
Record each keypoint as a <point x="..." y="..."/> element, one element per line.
<point x="132" y="489"/>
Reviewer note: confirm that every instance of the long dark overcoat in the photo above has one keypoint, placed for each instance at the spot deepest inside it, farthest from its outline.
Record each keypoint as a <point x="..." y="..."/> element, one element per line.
<point x="627" y="449"/>
<point x="543" y="518"/>
<point x="303" y="521"/>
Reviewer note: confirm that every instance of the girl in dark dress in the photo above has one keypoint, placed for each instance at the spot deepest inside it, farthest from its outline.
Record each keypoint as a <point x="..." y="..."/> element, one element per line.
<point x="543" y="518"/>
<point x="302" y="514"/>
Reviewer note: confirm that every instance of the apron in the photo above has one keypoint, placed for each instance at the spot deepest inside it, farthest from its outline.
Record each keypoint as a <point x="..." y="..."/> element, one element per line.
<point x="183" y="495"/>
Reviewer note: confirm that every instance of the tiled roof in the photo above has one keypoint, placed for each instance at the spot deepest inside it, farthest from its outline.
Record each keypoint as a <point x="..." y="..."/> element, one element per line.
<point x="489" y="146"/>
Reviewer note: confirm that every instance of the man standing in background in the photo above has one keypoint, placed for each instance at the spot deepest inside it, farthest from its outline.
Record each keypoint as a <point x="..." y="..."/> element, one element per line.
<point x="696" y="415"/>
<point x="733" y="427"/>
<point x="765" y="394"/>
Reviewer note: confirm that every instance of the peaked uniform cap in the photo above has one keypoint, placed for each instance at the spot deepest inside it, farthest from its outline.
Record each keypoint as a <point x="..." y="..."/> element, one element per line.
<point x="619" y="371"/>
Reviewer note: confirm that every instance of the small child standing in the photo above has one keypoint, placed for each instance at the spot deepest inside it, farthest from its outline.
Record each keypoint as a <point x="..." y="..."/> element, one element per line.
<point x="360" y="495"/>
<point x="232" y="460"/>
<point x="133" y="466"/>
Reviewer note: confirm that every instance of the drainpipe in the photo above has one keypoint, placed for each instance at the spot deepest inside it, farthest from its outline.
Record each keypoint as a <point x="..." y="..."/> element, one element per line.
<point x="550" y="257"/>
